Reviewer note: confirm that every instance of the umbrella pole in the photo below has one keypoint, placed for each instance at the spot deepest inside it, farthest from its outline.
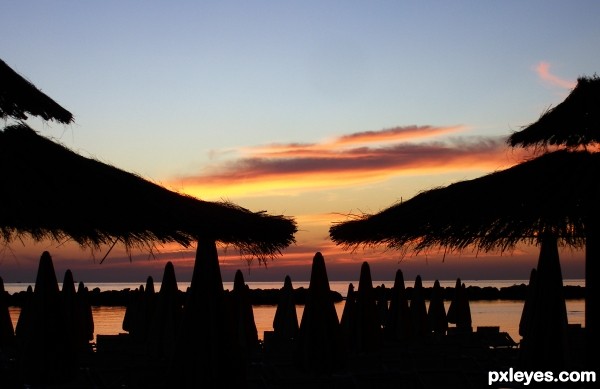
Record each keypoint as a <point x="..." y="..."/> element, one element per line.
<point x="592" y="279"/>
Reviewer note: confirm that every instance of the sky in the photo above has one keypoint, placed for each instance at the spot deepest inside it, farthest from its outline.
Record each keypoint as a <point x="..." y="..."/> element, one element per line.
<point x="317" y="110"/>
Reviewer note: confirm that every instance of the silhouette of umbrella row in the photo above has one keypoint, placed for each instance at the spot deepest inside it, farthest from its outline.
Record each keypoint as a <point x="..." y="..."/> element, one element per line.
<point x="53" y="329"/>
<point x="19" y="98"/>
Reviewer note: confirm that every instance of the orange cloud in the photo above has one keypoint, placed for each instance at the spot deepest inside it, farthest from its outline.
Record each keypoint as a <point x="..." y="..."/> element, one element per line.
<point x="285" y="169"/>
<point x="396" y="134"/>
<point x="543" y="71"/>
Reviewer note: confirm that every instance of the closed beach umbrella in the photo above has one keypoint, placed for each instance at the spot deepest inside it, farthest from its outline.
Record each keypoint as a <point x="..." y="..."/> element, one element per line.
<point x="382" y="303"/>
<point x="285" y="321"/>
<point x="348" y="319"/>
<point x="525" y="315"/>
<point x="463" y="311"/>
<point x="167" y="316"/>
<point x="7" y="333"/>
<point x="20" y="98"/>
<point x="86" y="309"/>
<point x="453" y="308"/>
<point x="544" y="344"/>
<point x="319" y="346"/>
<point x="399" y="323"/>
<point x="206" y="354"/>
<point x="73" y="316"/>
<point x="368" y="333"/>
<point x="459" y="312"/>
<point x="436" y="313"/>
<point x="243" y="315"/>
<point x="43" y="356"/>
<point x="418" y="310"/>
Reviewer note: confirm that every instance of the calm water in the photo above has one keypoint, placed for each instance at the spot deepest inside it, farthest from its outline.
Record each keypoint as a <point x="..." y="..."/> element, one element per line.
<point x="503" y="313"/>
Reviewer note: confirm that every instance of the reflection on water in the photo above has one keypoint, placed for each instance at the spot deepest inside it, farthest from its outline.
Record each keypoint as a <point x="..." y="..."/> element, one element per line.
<point x="503" y="313"/>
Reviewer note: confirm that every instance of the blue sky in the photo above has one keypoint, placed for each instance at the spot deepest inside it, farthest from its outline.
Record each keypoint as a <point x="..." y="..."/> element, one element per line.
<point x="254" y="101"/>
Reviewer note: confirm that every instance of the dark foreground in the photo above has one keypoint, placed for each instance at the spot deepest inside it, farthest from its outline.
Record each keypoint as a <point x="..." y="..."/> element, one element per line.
<point x="452" y="361"/>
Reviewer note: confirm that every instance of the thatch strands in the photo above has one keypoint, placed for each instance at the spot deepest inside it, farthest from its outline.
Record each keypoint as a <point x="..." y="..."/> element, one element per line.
<point x="555" y="192"/>
<point x="19" y="98"/>
<point x="50" y="192"/>
<point x="574" y="123"/>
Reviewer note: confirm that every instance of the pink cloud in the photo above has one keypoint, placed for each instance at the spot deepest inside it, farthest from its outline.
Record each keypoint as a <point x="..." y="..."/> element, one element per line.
<point x="543" y="71"/>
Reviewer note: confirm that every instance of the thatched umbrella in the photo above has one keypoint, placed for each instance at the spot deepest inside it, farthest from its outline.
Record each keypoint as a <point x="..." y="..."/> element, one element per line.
<point x="19" y="98"/>
<point x="574" y="123"/>
<point x="555" y="193"/>
<point x="51" y="192"/>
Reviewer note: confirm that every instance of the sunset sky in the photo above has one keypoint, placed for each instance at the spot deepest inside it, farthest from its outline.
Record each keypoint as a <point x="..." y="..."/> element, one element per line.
<point x="311" y="109"/>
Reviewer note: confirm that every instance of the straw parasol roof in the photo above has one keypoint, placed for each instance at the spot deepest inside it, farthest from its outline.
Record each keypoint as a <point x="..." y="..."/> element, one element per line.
<point x="19" y="98"/>
<point x="555" y="192"/>
<point x="573" y="123"/>
<point x="50" y="192"/>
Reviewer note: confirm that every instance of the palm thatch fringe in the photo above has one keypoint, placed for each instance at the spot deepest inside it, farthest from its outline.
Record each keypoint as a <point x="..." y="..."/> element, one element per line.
<point x="574" y="123"/>
<point x="556" y="192"/>
<point x="50" y="192"/>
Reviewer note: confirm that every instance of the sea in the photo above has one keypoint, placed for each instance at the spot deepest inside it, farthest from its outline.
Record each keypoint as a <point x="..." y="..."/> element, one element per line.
<point x="503" y="313"/>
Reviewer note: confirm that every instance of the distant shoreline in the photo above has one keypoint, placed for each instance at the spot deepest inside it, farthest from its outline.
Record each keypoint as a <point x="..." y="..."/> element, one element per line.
<point x="98" y="297"/>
